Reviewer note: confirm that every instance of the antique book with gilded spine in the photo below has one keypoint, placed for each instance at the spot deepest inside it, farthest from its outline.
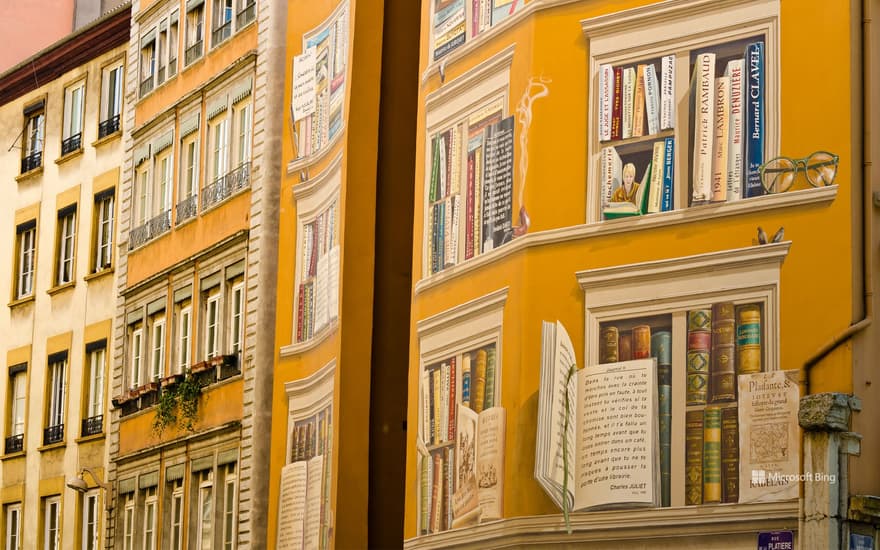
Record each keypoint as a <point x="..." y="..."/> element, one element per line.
<point x="712" y="454"/>
<point x="729" y="455"/>
<point x="748" y="339"/>
<point x="489" y="398"/>
<point x="625" y="346"/>
<point x="641" y="335"/>
<point x="693" y="457"/>
<point x="608" y="344"/>
<point x="698" y="346"/>
<point x="661" y="348"/>
<point x="479" y="380"/>
<point x="722" y="379"/>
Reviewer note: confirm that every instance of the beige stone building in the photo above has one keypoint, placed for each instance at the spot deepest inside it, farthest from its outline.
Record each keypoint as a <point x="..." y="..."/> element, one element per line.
<point x="61" y="149"/>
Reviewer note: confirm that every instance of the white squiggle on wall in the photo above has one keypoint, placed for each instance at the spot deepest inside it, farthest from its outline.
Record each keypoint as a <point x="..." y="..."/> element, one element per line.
<point x="536" y="89"/>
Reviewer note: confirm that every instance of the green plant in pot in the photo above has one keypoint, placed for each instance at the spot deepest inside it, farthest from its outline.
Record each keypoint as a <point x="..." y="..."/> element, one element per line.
<point x="178" y="405"/>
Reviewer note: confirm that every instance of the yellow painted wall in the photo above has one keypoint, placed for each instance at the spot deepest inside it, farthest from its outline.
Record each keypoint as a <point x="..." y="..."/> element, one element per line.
<point x="816" y="287"/>
<point x="218" y="405"/>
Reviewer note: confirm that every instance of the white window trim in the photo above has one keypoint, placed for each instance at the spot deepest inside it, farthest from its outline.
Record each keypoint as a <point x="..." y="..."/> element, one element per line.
<point x="231" y="516"/>
<point x="95" y="403"/>
<point x="67" y="129"/>
<point x="87" y="498"/>
<point x="157" y="364"/>
<point x="177" y="506"/>
<point x="52" y="503"/>
<point x="243" y="132"/>
<point x="128" y="527"/>
<point x="137" y="342"/>
<point x="66" y="256"/>
<point x="662" y="28"/>
<point x="220" y="146"/>
<point x="18" y="407"/>
<point x="104" y="230"/>
<point x="55" y="404"/>
<point x="206" y="482"/>
<point x="233" y="325"/>
<point x="150" y="504"/>
<point x="213" y="351"/>
<point x="9" y="543"/>
<point x="184" y="344"/>
<point x="106" y="103"/>
<point x="189" y="187"/>
<point x="27" y="264"/>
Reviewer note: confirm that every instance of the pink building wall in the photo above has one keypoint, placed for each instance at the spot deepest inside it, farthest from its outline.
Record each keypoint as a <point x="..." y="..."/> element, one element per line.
<point x="28" y="26"/>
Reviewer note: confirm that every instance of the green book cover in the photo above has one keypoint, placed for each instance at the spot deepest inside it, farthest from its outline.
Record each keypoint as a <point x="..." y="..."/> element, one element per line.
<point x="489" y="400"/>
<point x="661" y="348"/>
<point x="712" y="455"/>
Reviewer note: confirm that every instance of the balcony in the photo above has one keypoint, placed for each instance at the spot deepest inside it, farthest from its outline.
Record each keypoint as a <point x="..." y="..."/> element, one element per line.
<point x="246" y="15"/>
<point x="31" y="162"/>
<point x="221" y="33"/>
<point x="192" y="53"/>
<point x="93" y="425"/>
<point x="146" y="86"/>
<point x="71" y="144"/>
<point x="53" y="434"/>
<point x="109" y="126"/>
<point x="187" y="208"/>
<point x="154" y="227"/>
<point x="14" y="444"/>
<point x="227" y="185"/>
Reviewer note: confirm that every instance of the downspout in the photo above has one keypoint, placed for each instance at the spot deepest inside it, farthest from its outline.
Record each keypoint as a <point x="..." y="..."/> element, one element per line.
<point x="867" y="243"/>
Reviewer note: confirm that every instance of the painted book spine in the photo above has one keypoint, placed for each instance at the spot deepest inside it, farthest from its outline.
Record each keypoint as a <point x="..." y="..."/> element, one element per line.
<point x="721" y="139"/>
<point x="693" y="457"/>
<point x="712" y="455"/>
<point x="491" y="365"/>
<point x="438" y="400"/>
<point x="748" y="339"/>
<point x="639" y="103"/>
<point x="722" y="378"/>
<point x="625" y="347"/>
<point x="641" y="335"/>
<point x="437" y="495"/>
<point x="608" y="349"/>
<point x="629" y="90"/>
<point x="661" y="348"/>
<point x="755" y="119"/>
<point x="735" y="148"/>
<point x="655" y="192"/>
<point x="616" y="104"/>
<point x="425" y="500"/>
<point x="668" y="174"/>
<point x="729" y="455"/>
<point x="479" y="382"/>
<point x="698" y="346"/>
<point x="466" y="380"/>
<point x="703" y="105"/>
<point x="606" y="98"/>
<point x="652" y="99"/>
<point x="667" y="92"/>
<point x="469" y="208"/>
<point x="452" y="406"/>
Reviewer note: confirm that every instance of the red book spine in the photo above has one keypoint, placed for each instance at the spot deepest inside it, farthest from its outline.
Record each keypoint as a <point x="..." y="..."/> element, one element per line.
<point x="616" y="110"/>
<point x="641" y="344"/>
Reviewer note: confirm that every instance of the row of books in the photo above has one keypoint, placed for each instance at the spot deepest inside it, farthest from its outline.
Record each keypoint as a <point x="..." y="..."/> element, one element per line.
<point x="319" y="236"/>
<point x="728" y="126"/>
<point x="712" y="455"/>
<point x="310" y="436"/>
<point x="437" y="486"/>
<point x="439" y="382"/>
<point x="655" y="193"/>
<point x="634" y="102"/>
<point x="449" y="26"/>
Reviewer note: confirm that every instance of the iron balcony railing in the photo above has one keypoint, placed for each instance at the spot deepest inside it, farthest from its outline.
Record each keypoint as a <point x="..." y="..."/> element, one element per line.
<point x="192" y="53"/>
<point x="15" y="443"/>
<point x="93" y="425"/>
<point x="146" y="86"/>
<point x="187" y="208"/>
<point x="109" y="126"/>
<point x="31" y="162"/>
<point x="71" y="144"/>
<point x="225" y="186"/>
<point x="53" y="434"/>
<point x="246" y="15"/>
<point x="154" y="227"/>
<point x="221" y="33"/>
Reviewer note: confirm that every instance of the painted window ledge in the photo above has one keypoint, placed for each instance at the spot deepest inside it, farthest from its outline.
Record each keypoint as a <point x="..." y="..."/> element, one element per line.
<point x="812" y="196"/>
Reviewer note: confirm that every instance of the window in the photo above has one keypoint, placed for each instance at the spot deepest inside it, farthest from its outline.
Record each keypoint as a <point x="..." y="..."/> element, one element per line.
<point x="150" y="518"/>
<point x="195" y="17"/>
<point x="33" y="136"/>
<point x="236" y="321"/>
<point x="728" y="328"/>
<point x="137" y="336"/>
<point x="173" y="38"/>
<point x="163" y="184"/>
<point x="26" y="237"/>
<point x="111" y="99"/>
<point x="188" y="206"/>
<point x="466" y="371"/>
<point x="220" y="148"/>
<point x="157" y="346"/>
<point x="13" y="526"/>
<point x="104" y="216"/>
<point x="330" y="43"/>
<point x="184" y="337"/>
<point x="71" y="133"/>
<point x="222" y="21"/>
<point x="175" y="511"/>
<point x="468" y="168"/>
<point x="452" y="28"/>
<point x="204" y="484"/>
<point x="56" y="384"/>
<point x="228" y="474"/>
<point x="128" y="522"/>
<point x="148" y="63"/>
<point x="244" y="128"/>
<point x="142" y="189"/>
<point x="681" y="144"/>
<point x="93" y="422"/>
<point x="212" y="324"/>
<point x="65" y="246"/>
<point x="52" y="523"/>
<point x="247" y="12"/>
<point x="318" y="278"/>
<point x="90" y="521"/>
<point x="17" y="408"/>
